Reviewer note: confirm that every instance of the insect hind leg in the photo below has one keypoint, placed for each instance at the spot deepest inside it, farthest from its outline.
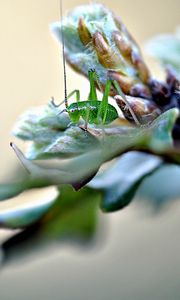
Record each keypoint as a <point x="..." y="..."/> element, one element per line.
<point x="103" y="109"/>
<point x="94" y="80"/>
<point x="122" y="96"/>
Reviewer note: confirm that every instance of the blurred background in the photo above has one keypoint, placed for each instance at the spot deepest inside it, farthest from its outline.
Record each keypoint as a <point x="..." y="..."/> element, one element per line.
<point x="137" y="256"/>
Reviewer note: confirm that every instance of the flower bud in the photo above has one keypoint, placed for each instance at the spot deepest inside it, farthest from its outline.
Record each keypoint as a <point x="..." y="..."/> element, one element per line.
<point x="106" y="56"/>
<point x="141" y="67"/>
<point x="145" y="110"/>
<point x="123" y="46"/>
<point x="83" y="32"/>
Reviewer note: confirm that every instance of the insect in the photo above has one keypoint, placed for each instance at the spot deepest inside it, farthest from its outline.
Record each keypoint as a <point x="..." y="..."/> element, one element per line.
<point x="92" y="111"/>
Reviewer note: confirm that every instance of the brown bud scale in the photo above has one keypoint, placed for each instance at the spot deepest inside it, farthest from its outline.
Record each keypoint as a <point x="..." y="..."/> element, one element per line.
<point x="83" y="31"/>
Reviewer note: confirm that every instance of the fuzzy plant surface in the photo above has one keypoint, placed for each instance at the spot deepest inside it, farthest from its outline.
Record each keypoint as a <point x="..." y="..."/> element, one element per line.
<point x="95" y="36"/>
<point x="106" y="164"/>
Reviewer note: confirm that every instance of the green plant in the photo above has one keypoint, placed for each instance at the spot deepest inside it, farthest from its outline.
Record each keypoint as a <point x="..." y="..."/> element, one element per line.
<point x="61" y="154"/>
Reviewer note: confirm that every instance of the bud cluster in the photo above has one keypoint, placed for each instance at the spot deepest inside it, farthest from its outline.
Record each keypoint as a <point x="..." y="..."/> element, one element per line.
<point x="95" y="37"/>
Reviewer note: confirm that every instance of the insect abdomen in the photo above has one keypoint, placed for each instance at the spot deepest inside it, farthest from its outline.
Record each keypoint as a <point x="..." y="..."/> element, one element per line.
<point x="88" y="110"/>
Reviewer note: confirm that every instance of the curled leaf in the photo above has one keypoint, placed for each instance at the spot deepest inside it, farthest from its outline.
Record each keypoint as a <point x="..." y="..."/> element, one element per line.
<point x="120" y="182"/>
<point x="19" y="214"/>
<point x="113" y="141"/>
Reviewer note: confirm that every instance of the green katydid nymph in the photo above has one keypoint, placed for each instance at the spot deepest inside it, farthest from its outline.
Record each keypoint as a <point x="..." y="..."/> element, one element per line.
<point x="92" y="111"/>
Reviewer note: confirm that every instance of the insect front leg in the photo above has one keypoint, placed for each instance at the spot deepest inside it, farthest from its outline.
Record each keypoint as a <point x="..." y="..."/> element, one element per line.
<point x="77" y="93"/>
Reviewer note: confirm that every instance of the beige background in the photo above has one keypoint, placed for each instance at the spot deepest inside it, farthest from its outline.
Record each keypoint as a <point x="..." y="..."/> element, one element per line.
<point x="30" y="60"/>
<point x="139" y="257"/>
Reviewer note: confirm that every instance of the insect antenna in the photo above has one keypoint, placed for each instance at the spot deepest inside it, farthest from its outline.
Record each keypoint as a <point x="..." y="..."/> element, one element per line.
<point x="64" y="58"/>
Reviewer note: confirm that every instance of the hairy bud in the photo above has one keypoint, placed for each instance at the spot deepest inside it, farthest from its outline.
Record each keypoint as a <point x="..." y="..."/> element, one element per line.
<point x="101" y="41"/>
<point x="83" y="32"/>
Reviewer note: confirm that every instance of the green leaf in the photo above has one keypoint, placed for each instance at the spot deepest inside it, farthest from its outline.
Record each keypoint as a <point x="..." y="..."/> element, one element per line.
<point x="51" y="135"/>
<point x="19" y="214"/>
<point x="74" y="214"/>
<point x="72" y="142"/>
<point x="162" y="188"/>
<point x="41" y="125"/>
<point x="112" y="142"/>
<point x="72" y="218"/>
<point x="9" y="190"/>
<point x="120" y="181"/>
<point x="160" y="131"/>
